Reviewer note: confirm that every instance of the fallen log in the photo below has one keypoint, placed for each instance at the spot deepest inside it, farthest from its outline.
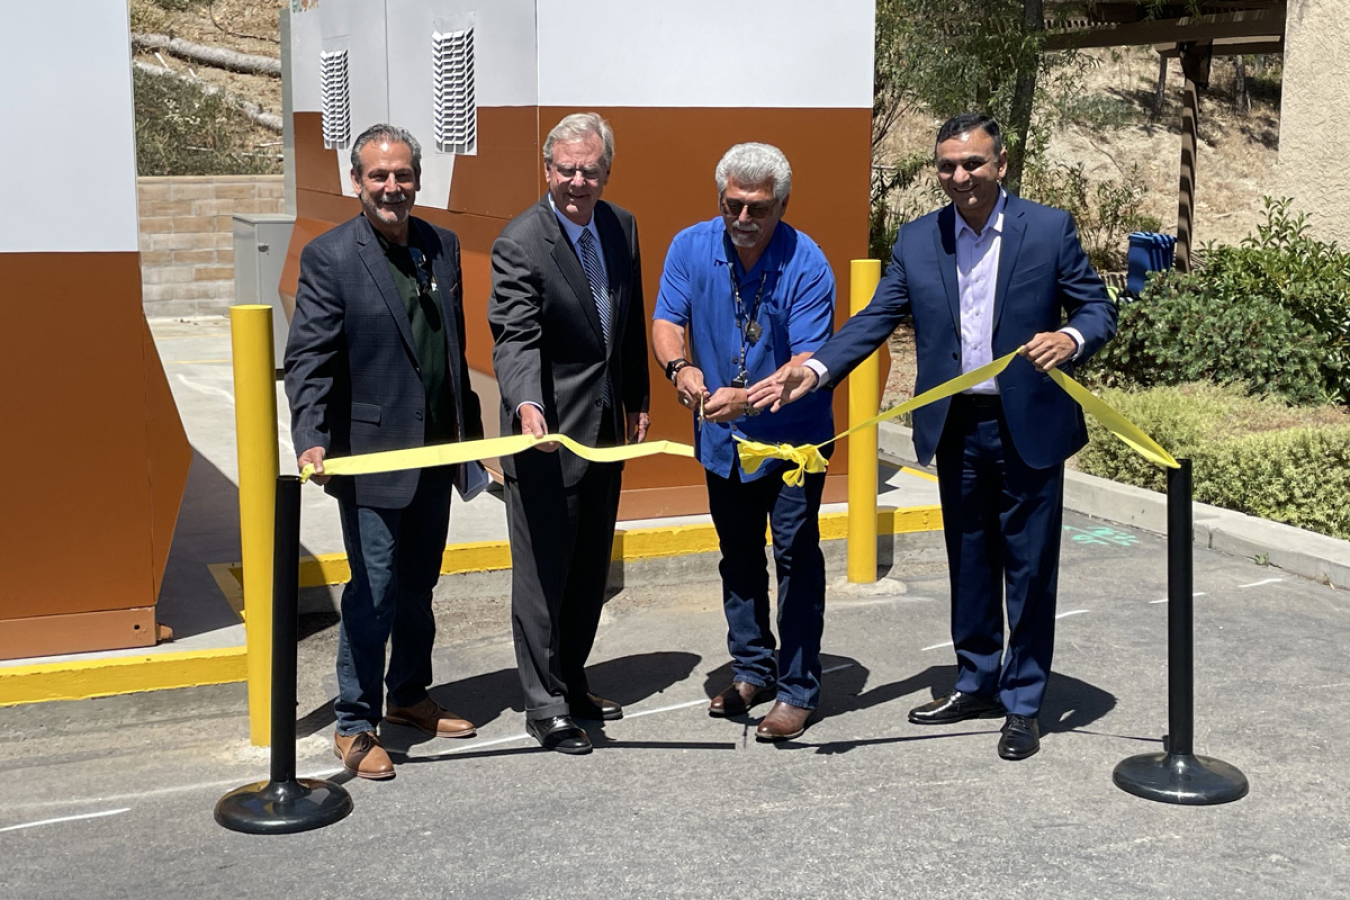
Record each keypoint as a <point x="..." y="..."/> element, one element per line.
<point x="217" y="57"/>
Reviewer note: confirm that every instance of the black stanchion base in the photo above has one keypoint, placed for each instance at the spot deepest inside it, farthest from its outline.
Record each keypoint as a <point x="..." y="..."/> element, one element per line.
<point x="1180" y="778"/>
<point x="283" y="807"/>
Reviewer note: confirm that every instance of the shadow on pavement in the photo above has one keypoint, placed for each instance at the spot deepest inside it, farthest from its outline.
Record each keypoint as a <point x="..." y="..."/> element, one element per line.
<point x="482" y="699"/>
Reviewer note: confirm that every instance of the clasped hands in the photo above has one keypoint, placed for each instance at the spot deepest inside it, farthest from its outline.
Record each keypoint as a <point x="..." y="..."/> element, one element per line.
<point x="723" y="405"/>
<point x="1045" y="351"/>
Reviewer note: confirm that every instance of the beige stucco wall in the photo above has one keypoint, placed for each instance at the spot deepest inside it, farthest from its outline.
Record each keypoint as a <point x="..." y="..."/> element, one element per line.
<point x="1313" y="112"/>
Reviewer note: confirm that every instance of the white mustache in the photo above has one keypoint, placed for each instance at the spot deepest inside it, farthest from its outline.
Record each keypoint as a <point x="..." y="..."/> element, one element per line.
<point x="394" y="197"/>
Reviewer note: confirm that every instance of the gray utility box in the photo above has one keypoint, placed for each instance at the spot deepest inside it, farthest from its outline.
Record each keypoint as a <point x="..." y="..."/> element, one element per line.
<point x="260" y="242"/>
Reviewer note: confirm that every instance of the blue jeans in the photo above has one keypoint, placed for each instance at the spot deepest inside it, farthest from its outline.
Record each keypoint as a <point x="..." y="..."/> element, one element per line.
<point x="739" y="511"/>
<point x="395" y="557"/>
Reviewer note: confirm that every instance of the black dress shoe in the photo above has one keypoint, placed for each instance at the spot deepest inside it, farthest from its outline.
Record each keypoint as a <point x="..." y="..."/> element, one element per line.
<point x="590" y="706"/>
<point x="957" y="707"/>
<point x="559" y="733"/>
<point x="1021" y="737"/>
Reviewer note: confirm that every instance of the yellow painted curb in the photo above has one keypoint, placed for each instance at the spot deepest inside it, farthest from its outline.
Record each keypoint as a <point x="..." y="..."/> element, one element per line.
<point x="83" y="679"/>
<point x="629" y="545"/>
<point x="105" y="677"/>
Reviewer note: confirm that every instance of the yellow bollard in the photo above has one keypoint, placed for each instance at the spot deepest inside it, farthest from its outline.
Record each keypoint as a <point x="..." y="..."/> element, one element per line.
<point x="255" y="424"/>
<point x="864" y="400"/>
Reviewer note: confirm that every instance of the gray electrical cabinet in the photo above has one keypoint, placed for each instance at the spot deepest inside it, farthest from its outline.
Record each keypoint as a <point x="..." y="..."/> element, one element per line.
<point x="260" y="242"/>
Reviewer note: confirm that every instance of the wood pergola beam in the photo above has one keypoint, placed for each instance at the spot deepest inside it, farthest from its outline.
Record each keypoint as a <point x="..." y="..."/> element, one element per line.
<point x="1230" y="47"/>
<point x="1252" y="23"/>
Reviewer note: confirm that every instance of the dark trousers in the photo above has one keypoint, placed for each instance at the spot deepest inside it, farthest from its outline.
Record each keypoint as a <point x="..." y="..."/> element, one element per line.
<point x="395" y="558"/>
<point x="561" y="542"/>
<point x="1002" y="521"/>
<point x="739" y="512"/>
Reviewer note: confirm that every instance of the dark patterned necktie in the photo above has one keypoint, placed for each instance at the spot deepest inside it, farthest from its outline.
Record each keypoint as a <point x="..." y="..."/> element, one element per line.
<point x="595" y="274"/>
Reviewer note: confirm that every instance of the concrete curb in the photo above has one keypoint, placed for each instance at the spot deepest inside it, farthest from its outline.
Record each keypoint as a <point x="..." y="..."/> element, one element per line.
<point x="1294" y="550"/>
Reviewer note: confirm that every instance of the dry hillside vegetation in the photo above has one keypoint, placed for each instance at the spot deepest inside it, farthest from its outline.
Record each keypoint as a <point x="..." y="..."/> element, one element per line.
<point x="1116" y="134"/>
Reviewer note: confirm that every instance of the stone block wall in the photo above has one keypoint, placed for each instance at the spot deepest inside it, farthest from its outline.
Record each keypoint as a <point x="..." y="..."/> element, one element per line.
<point x="187" y="238"/>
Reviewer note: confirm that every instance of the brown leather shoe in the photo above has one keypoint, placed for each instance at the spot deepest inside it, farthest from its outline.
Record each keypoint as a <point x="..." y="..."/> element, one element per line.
<point x="362" y="755"/>
<point x="431" y="717"/>
<point x="783" y="723"/>
<point x="738" y="698"/>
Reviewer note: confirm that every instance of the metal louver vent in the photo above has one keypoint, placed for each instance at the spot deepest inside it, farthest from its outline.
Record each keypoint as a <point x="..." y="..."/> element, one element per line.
<point x="456" y="112"/>
<point x="337" y="100"/>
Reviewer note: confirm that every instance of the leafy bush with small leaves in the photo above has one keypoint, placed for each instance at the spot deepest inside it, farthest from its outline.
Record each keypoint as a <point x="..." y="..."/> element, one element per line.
<point x="1273" y="314"/>
<point x="182" y="130"/>
<point x="1183" y="330"/>
<point x="1106" y="212"/>
<point x="1251" y="455"/>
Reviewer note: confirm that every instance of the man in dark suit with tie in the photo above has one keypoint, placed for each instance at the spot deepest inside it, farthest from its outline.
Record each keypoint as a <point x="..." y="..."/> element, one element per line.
<point x="375" y="361"/>
<point x="986" y="275"/>
<point x="570" y="355"/>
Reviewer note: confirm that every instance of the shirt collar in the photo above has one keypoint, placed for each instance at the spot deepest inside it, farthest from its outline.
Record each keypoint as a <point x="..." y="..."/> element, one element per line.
<point x="995" y="223"/>
<point x="572" y="229"/>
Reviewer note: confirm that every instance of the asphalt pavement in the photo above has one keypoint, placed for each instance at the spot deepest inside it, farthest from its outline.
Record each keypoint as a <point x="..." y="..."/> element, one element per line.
<point x="114" y="797"/>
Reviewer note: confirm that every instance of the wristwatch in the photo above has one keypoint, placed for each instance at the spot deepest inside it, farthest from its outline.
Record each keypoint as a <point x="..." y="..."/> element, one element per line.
<point x="674" y="366"/>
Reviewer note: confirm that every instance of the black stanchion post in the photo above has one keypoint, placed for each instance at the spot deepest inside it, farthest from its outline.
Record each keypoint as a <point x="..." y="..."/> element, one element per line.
<point x="1178" y="775"/>
<point x="284" y="804"/>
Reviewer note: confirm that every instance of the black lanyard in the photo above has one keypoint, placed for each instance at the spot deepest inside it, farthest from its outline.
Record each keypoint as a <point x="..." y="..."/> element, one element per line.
<point x="746" y="324"/>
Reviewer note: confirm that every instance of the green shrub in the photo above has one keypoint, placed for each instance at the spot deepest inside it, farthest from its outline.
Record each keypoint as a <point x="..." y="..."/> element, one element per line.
<point x="1106" y="212"/>
<point x="1251" y="455"/>
<point x="1273" y="313"/>
<point x="1195" y="328"/>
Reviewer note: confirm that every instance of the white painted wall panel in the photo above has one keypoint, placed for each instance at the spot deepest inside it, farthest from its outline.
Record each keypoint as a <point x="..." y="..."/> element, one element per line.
<point x="68" y="124"/>
<point x="391" y="67"/>
<point x="706" y="53"/>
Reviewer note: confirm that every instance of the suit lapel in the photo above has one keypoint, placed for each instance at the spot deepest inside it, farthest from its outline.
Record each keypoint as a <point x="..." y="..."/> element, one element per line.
<point x="944" y="243"/>
<point x="1014" y="230"/>
<point x="377" y="266"/>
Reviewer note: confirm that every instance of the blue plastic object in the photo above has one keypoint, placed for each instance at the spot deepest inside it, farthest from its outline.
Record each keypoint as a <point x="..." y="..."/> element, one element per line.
<point x="1149" y="252"/>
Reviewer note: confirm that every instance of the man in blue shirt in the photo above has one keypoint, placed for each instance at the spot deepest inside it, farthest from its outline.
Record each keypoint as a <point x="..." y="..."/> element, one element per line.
<point x="742" y="295"/>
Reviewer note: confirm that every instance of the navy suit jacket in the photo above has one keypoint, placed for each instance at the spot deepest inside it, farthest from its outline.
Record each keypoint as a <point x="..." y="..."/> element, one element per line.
<point x="352" y="374"/>
<point x="1044" y="283"/>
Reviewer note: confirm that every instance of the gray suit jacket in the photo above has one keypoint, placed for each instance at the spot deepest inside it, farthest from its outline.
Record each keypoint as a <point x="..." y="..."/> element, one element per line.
<point x="351" y="366"/>
<point x="549" y="348"/>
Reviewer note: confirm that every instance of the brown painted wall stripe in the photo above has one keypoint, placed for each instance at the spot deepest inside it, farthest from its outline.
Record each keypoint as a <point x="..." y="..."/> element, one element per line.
<point x="663" y="173"/>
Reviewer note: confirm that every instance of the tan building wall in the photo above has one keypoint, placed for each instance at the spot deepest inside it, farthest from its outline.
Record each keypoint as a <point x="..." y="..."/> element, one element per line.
<point x="187" y="238"/>
<point x="1312" y="116"/>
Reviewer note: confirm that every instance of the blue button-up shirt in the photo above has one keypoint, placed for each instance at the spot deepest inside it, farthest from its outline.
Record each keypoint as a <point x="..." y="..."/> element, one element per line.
<point x="796" y="313"/>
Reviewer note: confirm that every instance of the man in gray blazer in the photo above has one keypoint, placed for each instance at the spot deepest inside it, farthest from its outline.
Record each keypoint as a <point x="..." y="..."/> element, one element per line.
<point x="570" y="355"/>
<point x="375" y="361"/>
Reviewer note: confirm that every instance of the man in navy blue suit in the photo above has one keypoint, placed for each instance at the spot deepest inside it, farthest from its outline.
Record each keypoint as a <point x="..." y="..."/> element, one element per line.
<point x="988" y="274"/>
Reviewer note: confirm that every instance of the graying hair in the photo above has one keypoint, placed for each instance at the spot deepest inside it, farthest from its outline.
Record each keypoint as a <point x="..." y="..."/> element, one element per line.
<point x="390" y="134"/>
<point x="754" y="164"/>
<point x="577" y="127"/>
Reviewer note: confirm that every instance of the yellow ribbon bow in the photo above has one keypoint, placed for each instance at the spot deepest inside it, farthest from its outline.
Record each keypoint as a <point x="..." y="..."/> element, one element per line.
<point x="806" y="457"/>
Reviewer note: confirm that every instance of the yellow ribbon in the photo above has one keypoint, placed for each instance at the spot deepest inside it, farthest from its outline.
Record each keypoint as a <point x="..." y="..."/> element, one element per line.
<point x="802" y="458"/>
<point x="805" y="458"/>
<point x="1117" y="424"/>
<point x="468" y="451"/>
